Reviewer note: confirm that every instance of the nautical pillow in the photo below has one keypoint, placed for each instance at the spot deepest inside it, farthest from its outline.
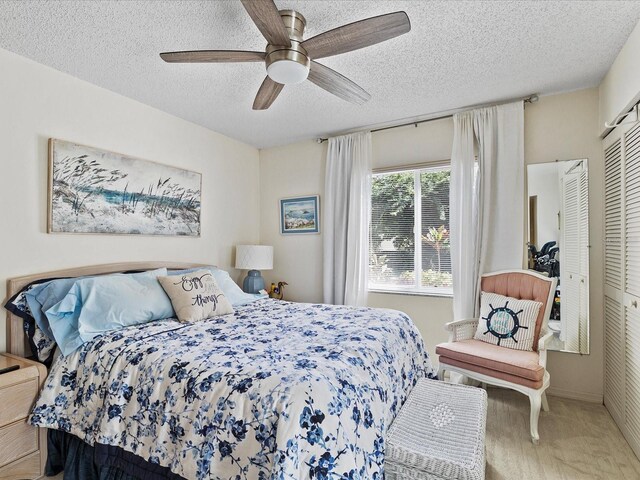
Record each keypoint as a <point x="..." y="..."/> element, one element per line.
<point x="195" y="296"/>
<point x="507" y="322"/>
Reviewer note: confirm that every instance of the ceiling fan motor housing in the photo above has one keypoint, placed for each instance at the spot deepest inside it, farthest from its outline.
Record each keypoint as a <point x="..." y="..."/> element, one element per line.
<point x="289" y="65"/>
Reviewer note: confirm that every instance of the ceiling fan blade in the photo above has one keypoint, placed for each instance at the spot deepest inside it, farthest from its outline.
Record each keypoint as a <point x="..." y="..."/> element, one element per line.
<point x="357" y="35"/>
<point x="212" y="56"/>
<point x="339" y="85"/>
<point x="267" y="93"/>
<point x="264" y="14"/>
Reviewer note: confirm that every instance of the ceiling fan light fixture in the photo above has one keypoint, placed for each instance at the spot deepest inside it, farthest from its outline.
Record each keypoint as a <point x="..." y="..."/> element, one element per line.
<point x="287" y="66"/>
<point x="288" y="72"/>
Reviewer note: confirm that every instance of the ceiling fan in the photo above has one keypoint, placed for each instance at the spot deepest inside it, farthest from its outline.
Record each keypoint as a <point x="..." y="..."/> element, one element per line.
<point x="290" y="59"/>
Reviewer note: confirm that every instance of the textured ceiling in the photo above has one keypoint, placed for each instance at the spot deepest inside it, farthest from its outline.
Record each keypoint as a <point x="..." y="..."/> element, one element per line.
<point x="457" y="54"/>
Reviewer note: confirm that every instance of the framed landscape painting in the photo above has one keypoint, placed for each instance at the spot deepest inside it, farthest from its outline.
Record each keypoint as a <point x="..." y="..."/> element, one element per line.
<point x="97" y="191"/>
<point x="300" y="215"/>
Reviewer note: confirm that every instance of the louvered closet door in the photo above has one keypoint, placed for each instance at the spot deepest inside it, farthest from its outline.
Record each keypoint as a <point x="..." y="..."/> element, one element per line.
<point x="614" y="381"/>
<point x="583" y="226"/>
<point x="632" y="212"/>
<point x="632" y="400"/>
<point x="622" y="281"/>
<point x="631" y="299"/>
<point x="614" y="371"/>
<point x="570" y="268"/>
<point x="613" y="215"/>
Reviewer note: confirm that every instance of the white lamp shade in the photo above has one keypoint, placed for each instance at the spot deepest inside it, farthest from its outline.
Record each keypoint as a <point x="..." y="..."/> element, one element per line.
<point x="254" y="257"/>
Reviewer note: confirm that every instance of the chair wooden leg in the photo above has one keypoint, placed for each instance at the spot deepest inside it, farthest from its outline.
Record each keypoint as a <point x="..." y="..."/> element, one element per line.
<point x="545" y="403"/>
<point x="536" y="400"/>
<point x="441" y="372"/>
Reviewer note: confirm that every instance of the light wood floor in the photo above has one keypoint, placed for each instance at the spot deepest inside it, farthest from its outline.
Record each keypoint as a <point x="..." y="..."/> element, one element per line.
<point x="578" y="441"/>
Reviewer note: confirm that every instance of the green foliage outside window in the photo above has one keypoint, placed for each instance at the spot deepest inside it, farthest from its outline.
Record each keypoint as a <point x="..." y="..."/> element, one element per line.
<point x="392" y="228"/>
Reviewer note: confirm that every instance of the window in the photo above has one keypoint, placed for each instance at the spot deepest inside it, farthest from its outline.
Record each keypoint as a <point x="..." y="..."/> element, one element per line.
<point x="409" y="244"/>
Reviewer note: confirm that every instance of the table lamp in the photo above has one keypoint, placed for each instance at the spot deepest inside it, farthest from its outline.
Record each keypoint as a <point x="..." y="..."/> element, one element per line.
<point x="254" y="258"/>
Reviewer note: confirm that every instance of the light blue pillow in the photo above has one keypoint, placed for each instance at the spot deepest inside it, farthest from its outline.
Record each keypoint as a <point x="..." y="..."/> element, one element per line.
<point x="101" y="304"/>
<point x="43" y="296"/>
<point x="231" y="290"/>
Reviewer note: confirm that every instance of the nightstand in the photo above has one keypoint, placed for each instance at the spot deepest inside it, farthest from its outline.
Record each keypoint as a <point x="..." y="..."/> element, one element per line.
<point x="23" y="448"/>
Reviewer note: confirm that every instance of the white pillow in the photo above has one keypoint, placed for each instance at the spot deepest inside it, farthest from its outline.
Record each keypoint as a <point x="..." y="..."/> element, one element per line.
<point x="507" y="322"/>
<point x="195" y="296"/>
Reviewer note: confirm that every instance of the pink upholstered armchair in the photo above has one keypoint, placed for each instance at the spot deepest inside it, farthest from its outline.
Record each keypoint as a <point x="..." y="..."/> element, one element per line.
<point x="521" y="370"/>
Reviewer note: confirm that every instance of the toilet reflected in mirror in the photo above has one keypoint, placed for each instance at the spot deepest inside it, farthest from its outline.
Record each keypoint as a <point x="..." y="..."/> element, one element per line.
<point x="558" y="246"/>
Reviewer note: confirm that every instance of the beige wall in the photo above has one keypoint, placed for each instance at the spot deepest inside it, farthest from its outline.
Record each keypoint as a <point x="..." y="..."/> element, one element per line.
<point x="620" y="88"/>
<point x="289" y="171"/>
<point x="557" y="127"/>
<point x="563" y="127"/>
<point x="37" y="102"/>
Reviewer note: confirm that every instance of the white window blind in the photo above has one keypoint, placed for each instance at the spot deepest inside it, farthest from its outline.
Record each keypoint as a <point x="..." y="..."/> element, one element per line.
<point x="409" y="243"/>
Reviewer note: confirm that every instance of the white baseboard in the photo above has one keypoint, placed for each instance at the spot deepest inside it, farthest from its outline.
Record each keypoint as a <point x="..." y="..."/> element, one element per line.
<point x="573" y="395"/>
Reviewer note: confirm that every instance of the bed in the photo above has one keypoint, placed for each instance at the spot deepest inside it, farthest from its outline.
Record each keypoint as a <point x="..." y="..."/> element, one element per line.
<point x="277" y="390"/>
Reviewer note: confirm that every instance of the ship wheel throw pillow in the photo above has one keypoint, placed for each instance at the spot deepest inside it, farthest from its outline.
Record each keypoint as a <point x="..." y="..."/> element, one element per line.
<point x="507" y="322"/>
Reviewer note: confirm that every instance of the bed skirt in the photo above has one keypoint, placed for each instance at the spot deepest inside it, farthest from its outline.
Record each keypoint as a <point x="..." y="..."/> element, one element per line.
<point x="81" y="461"/>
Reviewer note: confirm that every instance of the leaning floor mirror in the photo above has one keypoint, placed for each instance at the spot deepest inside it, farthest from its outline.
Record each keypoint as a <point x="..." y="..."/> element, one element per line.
<point x="558" y="246"/>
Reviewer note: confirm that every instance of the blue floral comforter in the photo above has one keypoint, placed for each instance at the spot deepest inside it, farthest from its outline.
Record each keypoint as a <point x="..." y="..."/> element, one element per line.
<point x="277" y="390"/>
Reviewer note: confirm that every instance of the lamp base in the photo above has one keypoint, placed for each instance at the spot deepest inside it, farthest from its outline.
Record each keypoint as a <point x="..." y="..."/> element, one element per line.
<point x="253" y="282"/>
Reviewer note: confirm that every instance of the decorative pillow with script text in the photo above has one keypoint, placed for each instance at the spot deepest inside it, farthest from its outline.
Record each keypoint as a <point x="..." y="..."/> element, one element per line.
<point x="195" y="296"/>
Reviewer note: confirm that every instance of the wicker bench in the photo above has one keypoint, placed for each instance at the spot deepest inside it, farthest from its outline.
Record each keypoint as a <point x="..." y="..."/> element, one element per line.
<point x="438" y="434"/>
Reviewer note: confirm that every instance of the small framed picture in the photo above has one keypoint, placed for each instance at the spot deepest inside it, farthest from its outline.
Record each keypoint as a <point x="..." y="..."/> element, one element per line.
<point x="300" y="215"/>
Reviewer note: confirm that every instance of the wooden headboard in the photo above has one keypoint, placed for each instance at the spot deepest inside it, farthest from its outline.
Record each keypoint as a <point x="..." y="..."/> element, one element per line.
<point x="17" y="342"/>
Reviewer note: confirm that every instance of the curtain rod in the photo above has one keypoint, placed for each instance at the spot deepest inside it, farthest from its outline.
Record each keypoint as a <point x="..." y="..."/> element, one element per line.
<point x="533" y="98"/>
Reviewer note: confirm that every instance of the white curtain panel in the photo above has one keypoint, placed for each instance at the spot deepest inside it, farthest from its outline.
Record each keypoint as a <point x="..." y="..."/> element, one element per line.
<point x="347" y="209"/>
<point x="503" y="189"/>
<point x="464" y="217"/>
<point x="487" y="208"/>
